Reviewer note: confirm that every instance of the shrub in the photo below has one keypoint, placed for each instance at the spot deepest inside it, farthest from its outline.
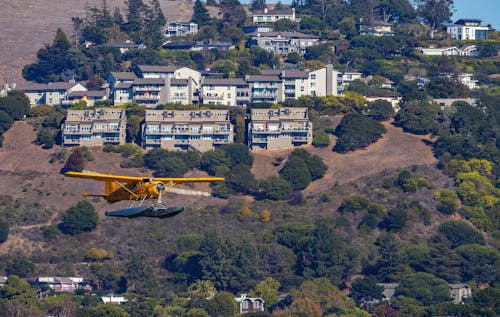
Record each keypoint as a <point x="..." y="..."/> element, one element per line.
<point x="380" y="110"/>
<point x="460" y="233"/>
<point x="447" y="201"/>
<point x="79" y="219"/>
<point x="357" y="131"/>
<point x="4" y="230"/>
<point x="75" y="162"/>
<point x="321" y="139"/>
<point x="275" y="188"/>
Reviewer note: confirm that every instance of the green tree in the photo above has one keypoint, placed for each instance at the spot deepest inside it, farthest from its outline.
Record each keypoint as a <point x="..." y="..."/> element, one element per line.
<point x="486" y="302"/>
<point x="460" y="233"/>
<point x="21" y="267"/>
<point x="366" y="290"/>
<point x="104" y="310"/>
<point x="479" y="262"/>
<point x="268" y="290"/>
<point x="78" y="219"/>
<point x="327" y="255"/>
<point x="424" y="287"/>
<point x="417" y="117"/>
<point x="395" y="219"/>
<point x="200" y="13"/>
<point x="202" y="289"/>
<point x="357" y="131"/>
<point x="447" y="199"/>
<point x="16" y="104"/>
<point x="17" y="298"/>
<point x="217" y="261"/>
<point x="380" y="110"/>
<point x="434" y="12"/>
<point x="296" y="172"/>
<point x="223" y="304"/>
<point x="275" y="188"/>
<point x="258" y="5"/>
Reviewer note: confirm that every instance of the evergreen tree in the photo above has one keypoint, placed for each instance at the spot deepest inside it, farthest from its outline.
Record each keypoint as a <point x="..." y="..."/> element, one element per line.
<point x="135" y="15"/>
<point x="295" y="171"/>
<point x="200" y="14"/>
<point x="258" y="5"/>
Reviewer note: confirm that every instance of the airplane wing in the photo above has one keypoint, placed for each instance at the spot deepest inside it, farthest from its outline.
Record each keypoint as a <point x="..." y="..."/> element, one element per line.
<point x="136" y="179"/>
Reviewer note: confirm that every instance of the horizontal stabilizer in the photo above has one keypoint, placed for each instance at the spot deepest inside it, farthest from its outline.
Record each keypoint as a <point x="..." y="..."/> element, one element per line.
<point x="146" y="211"/>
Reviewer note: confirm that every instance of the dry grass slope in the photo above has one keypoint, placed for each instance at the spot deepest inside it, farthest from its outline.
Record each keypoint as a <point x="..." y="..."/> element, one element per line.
<point x="28" y="25"/>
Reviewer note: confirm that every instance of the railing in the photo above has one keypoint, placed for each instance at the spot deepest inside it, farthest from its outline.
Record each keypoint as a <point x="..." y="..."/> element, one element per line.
<point x="213" y="97"/>
<point x="149" y="88"/>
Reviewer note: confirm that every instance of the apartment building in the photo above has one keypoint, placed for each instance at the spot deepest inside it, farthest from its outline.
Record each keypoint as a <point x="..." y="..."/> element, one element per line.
<point x="321" y="82"/>
<point x="265" y="88"/>
<point x="273" y="15"/>
<point x="94" y="127"/>
<point x="90" y="97"/>
<point x="198" y="130"/>
<point x="228" y="92"/>
<point x="275" y="129"/>
<point x="283" y="42"/>
<point x="51" y="93"/>
<point x="468" y="29"/>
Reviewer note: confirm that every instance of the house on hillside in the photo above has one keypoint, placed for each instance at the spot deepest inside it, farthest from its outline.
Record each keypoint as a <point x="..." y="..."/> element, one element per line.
<point x="273" y="15"/>
<point x="125" y="46"/>
<point x="459" y="292"/>
<point x="51" y="93"/>
<point x="376" y="28"/>
<point x="470" y="50"/>
<point x="283" y="42"/>
<point x="468" y="29"/>
<point x="90" y="97"/>
<point x="112" y="299"/>
<point x="174" y="29"/>
<point x="64" y="284"/>
<point x="250" y="304"/>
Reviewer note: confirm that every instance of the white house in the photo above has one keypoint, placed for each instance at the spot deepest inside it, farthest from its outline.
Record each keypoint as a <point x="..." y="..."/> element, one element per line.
<point x="468" y="29"/>
<point x="273" y="15"/>
<point x="51" y="93"/>
<point x="222" y="91"/>
<point x="180" y="29"/>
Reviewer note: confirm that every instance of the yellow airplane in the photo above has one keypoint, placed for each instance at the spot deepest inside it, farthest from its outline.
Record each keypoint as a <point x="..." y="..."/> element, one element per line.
<point x="138" y="189"/>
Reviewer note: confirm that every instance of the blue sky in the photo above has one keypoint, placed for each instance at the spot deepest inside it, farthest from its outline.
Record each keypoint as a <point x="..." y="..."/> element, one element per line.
<point x="486" y="10"/>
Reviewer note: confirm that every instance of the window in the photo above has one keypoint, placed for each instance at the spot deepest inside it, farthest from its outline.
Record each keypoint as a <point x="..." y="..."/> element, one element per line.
<point x="313" y="76"/>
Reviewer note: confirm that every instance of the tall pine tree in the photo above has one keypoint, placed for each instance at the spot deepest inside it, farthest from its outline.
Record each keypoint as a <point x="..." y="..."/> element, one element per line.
<point x="200" y="14"/>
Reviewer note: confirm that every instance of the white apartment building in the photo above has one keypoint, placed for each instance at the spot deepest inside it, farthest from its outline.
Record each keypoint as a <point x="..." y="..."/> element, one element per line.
<point x="228" y="92"/>
<point x="199" y="130"/>
<point x="468" y="29"/>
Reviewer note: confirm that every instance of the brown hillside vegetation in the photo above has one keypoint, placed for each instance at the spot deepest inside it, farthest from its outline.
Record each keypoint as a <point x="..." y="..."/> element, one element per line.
<point x="28" y="25"/>
<point x="29" y="177"/>
<point x="395" y="150"/>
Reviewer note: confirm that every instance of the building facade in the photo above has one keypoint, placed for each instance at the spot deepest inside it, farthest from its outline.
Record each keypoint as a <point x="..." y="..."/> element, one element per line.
<point x="276" y="129"/>
<point x="198" y="130"/>
<point x="94" y="127"/>
<point x="180" y="29"/>
<point x="468" y="29"/>
<point x="273" y="15"/>
<point x="228" y="92"/>
<point x="51" y="94"/>
<point x="283" y="42"/>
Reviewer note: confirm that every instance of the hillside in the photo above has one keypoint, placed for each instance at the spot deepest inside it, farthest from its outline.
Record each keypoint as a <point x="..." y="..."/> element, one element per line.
<point x="28" y="25"/>
<point x="31" y="179"/>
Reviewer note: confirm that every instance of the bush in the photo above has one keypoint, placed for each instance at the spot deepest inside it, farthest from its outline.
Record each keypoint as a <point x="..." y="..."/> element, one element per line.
<point x="418" y="117"/>
<point x="321" y="139"/>
<point x="447" y="201"/>
<point x="20" y="267"/>
<point x="380" y="110"/>
<point x="79" y="219"/>
<point x="357" y="131"/>
<point x="75" y="162"/>
<point x="4" y="230"/>
<point x="460" y="233"/>
<point x="275" y="188"/>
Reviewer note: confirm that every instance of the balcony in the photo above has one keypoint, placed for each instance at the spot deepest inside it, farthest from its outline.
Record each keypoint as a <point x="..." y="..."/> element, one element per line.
<point x="213" y="97"/>
<point x="148" y="88"/>
<point x="146" y="97"/>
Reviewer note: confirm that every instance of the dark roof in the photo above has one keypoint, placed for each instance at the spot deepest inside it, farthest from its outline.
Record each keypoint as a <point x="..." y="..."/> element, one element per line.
<point x="157" y="68"/>
<point x="295" y="73"/>
<point x="123" y="85"/>
<point x="224" y="82"/>
<point x="293" y="35"/>
<point x="124" y="75"/>
<point x="284" y="11"/>
<point x="88" y="94"/>
<point x="263" y="78"/>
<point x="149" y="81"/>
<point x="50" y="86"/>
<point x="270" y="72"/>
<point x="461" y="21"/>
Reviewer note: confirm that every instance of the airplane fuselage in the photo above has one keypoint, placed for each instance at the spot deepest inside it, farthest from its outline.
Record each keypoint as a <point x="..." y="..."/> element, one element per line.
<point x="133" y="192"/>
